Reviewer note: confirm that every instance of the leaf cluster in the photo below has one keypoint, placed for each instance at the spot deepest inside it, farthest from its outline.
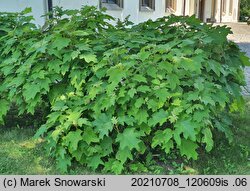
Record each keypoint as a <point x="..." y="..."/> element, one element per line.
<point x="118" y="95"/>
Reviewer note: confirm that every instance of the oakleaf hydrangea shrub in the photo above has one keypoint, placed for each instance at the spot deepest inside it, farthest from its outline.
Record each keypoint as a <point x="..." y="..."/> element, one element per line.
<point x="117" y="95"/>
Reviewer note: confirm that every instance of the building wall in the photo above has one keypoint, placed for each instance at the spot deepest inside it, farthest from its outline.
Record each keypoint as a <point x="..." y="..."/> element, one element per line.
<point x="207" y="10"/>
<point x="231" y="17"/>
<point x="38" y="8"/>
<point x="227" y="17"/>
<point x="131" y="7"/>
<point x="191" y="7"/>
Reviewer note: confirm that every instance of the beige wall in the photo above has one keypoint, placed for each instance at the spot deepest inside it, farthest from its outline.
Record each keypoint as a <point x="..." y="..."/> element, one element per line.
<point x="227" y="17"/>
<point x="231" y="17"/>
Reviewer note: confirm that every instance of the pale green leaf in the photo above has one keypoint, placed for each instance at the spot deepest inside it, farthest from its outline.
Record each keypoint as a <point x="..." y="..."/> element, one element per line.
<point x="89" y="58"/>
<point x="80" y="33"/>
<point x="73" y="116"/>
<point x="208" y="139"/>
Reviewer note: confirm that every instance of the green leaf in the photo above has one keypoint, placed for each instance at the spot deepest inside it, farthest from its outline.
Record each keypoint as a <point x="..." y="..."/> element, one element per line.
<point x="173" y="81"/>
<point x="139" y="102"/>
<point x="162" y="94"/>
<point x="89" y="136"/>
<point x="55" y="65"/>
<point x="215" y="66"/>
<point x="187" y="127"/>
<point x="129" y="120"/>
<point x="129" y="138"/>
<point x="30" y="91"/>
<point x="73" y="116"/>
<point x="61" y="42"/>
<point x="26" y="11"/>
<point x="106" y="145"/>
<point x="124" y="154"/>
<point x="166" y="66"/>
<point x="143" y="55"/>
<point x="43" y="129"/>
<point x="162" y="137"/>
<point x="95" y="161"/>
<point x="188" y="148"/>
<point x="72" y="139"/>
<point x="83" y="121"/>
<point x="143" y="89"/>
<point x="199" y="84"/>
<point x="177" y="137"/>
<point x="207" y="99"/>
<point x="244" y="59"/>
<point x="62" y="164"/>
<point x="153" y="104"/>
<point x="139" y="78"/>
<point x="79" y="154"/>
<point x="79" y="33"/>
<point x="224" y="127"/>
<point x="132" y="92"/>
<point x="113" y="165"/>
<point x="55" y="135"/>
<point x="158" y="117"/>
<point x="141" y="116"/>
<point x="152" y="71"/>
<point x="4" y="109"/>
<point x="167" y="146"/>
<point x="176" y="102"/>
<point x="192" y="96"/>
<point x="200" y="116"/>
<point x="116" y="73"/>
<point x="103" y="124"/>
<point x="191" y="65"/>
<point x="138" y="167"/>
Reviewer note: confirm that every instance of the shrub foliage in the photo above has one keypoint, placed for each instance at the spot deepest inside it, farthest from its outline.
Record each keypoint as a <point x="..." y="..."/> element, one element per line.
<point x="117" y="95"/>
